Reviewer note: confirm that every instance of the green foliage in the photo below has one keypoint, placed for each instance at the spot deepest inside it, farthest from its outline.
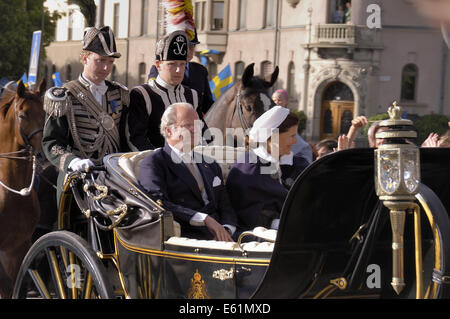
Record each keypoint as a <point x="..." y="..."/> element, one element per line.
<point x="88" y="9"/>
<point x="302" y="120"/>
<point x="431" y="123"/>
<point x="374" y="118"/>
<point x="20" y="19"/>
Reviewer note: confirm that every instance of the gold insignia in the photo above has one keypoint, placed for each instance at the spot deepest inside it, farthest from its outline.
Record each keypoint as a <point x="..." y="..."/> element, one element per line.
<point x="198" y="287"/>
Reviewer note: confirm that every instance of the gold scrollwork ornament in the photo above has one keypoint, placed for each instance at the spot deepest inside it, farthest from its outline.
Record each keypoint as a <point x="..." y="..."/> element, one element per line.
<point x="198" y="287"/>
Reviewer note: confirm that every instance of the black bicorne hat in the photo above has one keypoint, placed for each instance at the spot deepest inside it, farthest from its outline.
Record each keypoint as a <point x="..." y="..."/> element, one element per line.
<point x="100" y="41"/>
<point x="173" y="46"/>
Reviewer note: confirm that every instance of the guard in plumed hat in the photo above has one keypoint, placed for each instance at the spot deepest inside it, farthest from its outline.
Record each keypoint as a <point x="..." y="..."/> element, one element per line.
<point x="195" y="77"/>
<point x="149" y="101"/>
<point x="86" y="116"/>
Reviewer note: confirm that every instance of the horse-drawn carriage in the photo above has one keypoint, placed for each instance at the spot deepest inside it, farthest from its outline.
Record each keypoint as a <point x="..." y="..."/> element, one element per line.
<point x="334" y="239"/>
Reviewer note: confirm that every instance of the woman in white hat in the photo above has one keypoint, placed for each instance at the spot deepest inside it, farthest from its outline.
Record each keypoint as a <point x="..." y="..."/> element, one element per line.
<point x="258" y="184"/>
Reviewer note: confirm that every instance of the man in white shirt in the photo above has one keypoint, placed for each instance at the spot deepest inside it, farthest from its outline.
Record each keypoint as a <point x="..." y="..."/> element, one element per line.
<point x="190" y="185"/>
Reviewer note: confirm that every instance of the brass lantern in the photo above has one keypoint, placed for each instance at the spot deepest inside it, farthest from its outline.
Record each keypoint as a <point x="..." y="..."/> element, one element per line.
<point x="397" y="179"/>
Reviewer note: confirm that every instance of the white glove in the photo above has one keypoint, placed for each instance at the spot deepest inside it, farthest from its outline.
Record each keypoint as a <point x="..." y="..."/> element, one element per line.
<point x="78" y="164"/>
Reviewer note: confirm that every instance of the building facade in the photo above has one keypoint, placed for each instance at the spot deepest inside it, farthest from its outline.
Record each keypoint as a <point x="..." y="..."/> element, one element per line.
<point x="332" y="69"/>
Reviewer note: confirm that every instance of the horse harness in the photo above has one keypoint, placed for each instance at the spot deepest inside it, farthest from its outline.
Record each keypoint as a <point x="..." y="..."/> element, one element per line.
<point x="238" y="107"/>
<point x="28" y="150"/>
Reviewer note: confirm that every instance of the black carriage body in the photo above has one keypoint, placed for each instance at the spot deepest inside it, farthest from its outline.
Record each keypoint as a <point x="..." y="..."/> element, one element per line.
<point x="334" y="239"/>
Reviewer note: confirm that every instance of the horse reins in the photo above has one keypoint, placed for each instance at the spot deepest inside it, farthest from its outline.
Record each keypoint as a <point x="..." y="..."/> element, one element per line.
<point x="28" y="149"/>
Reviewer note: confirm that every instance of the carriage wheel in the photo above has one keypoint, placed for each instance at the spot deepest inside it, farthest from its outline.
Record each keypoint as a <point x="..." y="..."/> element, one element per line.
<point x="61" y="265"/>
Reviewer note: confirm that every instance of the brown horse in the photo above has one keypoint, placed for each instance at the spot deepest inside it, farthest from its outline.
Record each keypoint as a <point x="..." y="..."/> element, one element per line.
<point x="241" y="105"/>
<point x="21" y="123"/>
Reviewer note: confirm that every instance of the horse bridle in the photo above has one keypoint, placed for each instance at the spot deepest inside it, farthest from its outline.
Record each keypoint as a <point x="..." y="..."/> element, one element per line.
<point x="26" y="138"/>
<point x="238" y="107"/>
<point x="29" y="150"/>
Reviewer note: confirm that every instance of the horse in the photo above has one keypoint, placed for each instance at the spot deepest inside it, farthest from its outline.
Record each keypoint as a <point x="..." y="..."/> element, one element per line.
<point x="240" y="106"/>
<point x="22" y="121"/>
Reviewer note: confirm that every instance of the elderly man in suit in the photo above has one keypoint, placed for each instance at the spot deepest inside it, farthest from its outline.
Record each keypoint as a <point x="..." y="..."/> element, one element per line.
<point x="189" y="184"/>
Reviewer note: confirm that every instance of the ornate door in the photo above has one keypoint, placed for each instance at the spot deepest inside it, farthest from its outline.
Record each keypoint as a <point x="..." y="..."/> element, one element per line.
<point x="336" y="118"/>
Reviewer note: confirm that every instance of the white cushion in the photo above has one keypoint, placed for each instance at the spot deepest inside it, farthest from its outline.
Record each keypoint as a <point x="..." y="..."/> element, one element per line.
<point x="130" y="163"/>
<point x="253" y="246"/>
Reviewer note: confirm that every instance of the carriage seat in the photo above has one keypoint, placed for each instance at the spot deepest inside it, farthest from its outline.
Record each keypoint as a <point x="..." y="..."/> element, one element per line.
<point x="253" y="246"/>
<point x="225" y="156"/>
<point x="130" y="163"/>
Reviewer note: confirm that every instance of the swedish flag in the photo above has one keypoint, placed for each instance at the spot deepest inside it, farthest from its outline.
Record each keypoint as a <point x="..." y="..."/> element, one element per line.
<point x="56" y="79"/>
<point x="221" y="82"/>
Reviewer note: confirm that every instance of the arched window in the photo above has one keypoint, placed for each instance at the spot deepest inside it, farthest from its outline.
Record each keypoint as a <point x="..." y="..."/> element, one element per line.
<point x="291" y="79"/>
<point x="409" y="82"/>
<point x="266" y="69"/>
<point x="142" y="73"/>
<point x="238" y="70"/>
<point x="338" y="91"/>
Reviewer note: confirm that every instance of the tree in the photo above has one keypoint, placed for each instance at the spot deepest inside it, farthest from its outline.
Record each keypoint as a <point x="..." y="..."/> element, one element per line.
<point x="88" y="9"/>
<point x="20" y="19"/>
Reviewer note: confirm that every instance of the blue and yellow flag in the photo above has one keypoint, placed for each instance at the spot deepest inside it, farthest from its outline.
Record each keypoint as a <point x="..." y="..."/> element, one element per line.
<point x="57" y="79"/>
<point x="221" y="82"/>
<point x="24" y="80"/>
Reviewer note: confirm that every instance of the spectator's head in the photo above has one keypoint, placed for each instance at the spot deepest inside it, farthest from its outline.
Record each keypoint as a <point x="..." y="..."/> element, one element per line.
<point x="99" y="53"/>
<point x="181" y="126"/>
<point x="280" y="97"/>
<point x="444" y="140"/>
<point x="325" y="147"/>
<point x="371" y="134"/>
<point x="171" y="57"/>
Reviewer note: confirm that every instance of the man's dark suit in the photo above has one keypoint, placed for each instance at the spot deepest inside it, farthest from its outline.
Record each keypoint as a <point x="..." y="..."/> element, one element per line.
<point x="174" y="184"/>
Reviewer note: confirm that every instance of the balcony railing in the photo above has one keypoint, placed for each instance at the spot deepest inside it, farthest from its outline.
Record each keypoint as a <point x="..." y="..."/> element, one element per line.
<point x="334" y="33"/>
<point x="346" y="36"/>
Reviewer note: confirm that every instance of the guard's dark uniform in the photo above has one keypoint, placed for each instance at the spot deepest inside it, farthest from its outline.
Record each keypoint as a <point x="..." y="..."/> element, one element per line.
<point x="148" y="103"/>
<point x="195" y="77"/>
<point x="78" y="126"/>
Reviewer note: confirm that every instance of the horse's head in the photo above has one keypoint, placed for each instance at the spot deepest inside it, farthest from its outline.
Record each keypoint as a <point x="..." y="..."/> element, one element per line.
<point x="253" y="96"/>
<point x="25" y="109"/>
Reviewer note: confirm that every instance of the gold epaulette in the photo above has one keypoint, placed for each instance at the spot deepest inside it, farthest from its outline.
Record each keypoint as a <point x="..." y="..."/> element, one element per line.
<point x="124" y="93"/>
<point x="56" y="101"/>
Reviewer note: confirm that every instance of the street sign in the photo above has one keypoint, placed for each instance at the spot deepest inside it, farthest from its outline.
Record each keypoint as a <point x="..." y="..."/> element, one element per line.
<point x="34" y="57"/>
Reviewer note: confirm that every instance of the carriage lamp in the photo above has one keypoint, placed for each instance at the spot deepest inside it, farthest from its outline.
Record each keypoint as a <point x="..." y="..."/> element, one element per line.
<point x="397" y="178"/>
